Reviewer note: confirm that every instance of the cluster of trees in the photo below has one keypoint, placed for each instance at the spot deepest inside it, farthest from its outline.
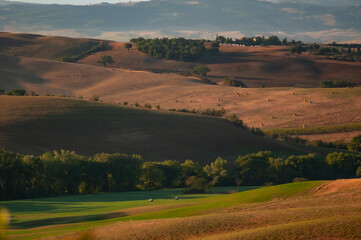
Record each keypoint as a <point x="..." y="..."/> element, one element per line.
<point x="65" y="172"/>
<point x="175" y="48"/>
<point x="345" y="52"/>
<point x="336" y="84"/>
<point x="16" y="92"/>
<point x="253" y="41"/>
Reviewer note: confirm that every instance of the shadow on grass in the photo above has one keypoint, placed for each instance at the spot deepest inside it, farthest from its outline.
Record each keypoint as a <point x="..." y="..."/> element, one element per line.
<point x="65" y="220"/>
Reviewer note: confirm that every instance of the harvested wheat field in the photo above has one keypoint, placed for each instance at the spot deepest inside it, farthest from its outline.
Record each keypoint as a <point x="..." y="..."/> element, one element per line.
<point x="34" y="125"/>
<point x="255" y="66"/>
<point x="45" y="47"/>
<point x="269" y="108"/>
<point x="289" y="211"/>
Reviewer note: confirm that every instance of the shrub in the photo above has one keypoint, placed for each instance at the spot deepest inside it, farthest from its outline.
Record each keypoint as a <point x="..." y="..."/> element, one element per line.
<point x="147" y="105"/>
<point x="200" y="70"/>
<point x="66" y="59"/>
<point x="297" y="49"/>
<point x="299" y="179"/>
<point x="336" y="84"/>
<point x="2" y="92"/>
<point x="234" y="83"/>
<point x="94" y="98"/>
<point x="125" y="103"/>
<point x="16" y="92"/>
<point x="158" y="107"/>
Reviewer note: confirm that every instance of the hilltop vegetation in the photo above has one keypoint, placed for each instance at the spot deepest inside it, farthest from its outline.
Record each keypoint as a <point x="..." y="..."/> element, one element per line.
<point x="174" y="49"/>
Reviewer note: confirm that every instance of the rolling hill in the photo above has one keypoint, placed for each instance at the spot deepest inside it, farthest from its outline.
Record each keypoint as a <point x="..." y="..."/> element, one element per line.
<point x="306" y="210"/>
<point x="34" y="125"/>
<point x="135" y="77"/>
<point x="300" y="19"/>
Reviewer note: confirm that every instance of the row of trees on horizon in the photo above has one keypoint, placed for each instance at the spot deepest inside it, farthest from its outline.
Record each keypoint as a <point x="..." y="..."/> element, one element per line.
<point x="65" y="172"/>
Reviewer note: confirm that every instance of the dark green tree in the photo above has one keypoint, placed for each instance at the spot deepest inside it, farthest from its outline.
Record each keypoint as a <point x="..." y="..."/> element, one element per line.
<point x="355" y="144"/>
<point x="128" y="46"/>
<point x="105" y="60"/>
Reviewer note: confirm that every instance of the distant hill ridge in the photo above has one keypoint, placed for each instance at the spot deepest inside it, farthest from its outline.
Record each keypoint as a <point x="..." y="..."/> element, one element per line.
<point x="305" y="20"/>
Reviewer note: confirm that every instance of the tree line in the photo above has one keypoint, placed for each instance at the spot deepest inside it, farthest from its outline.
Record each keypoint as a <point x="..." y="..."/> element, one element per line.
<point x="181" y="49"/>
<point x="65" y="172"/>
<point x="253" y="41"/>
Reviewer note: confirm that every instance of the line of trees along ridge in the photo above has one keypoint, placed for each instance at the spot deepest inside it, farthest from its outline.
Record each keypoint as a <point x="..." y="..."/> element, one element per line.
<point x="174" y="49"/>
<point x="65" y="172"/>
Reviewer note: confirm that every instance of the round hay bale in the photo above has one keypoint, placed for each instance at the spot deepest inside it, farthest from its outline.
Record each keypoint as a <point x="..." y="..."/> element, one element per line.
<point x="305" y="100"/>
<point x="295" y="114"/>
<point x="261" y="125"/>
<point x="272" y="117"/>
<point x="176" y="198"/>
<point x="268" y="100"/>
<point x="293" y="93"/>
<point x="150" y="200"/>
<point x="304" y="126"/>
<point x="310" y="102"/>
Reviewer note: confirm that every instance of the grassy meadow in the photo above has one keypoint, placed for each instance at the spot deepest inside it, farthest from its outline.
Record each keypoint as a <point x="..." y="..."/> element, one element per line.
<point x="290" y="211"/>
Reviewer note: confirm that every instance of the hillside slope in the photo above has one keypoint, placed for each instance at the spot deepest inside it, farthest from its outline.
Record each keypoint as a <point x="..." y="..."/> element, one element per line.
<point x="34" y="125"/>
<point x="288" y="211"/>
<point x="172" y="91"/>
<point x="46" y="47"/>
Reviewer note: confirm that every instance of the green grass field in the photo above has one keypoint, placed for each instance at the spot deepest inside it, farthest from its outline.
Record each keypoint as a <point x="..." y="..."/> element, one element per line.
<point x="305" y="210"/>
<point x="43" y="217"/>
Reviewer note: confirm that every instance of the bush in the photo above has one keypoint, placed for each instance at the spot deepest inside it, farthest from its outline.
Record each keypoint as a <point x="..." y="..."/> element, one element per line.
<point x="299" y="179"/>
<point x="94" y="98"/>
<point x="16" y="92"/>
<point x="297" y="49"/>
<point x="326" y="50"/>
<point x="234" y="83"/>
<point x="200" y="70"/>
<point x="336" y="84"/>
<point x="2" y="92"/>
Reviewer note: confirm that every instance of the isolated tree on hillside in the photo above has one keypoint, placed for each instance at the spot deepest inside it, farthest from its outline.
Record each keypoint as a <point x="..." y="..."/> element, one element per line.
<point x="106" y="60"/>
<point x="128" y="46"/>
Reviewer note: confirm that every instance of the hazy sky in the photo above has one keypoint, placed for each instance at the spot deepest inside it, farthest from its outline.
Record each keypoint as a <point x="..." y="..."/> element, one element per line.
<point x="75" y="2"/>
